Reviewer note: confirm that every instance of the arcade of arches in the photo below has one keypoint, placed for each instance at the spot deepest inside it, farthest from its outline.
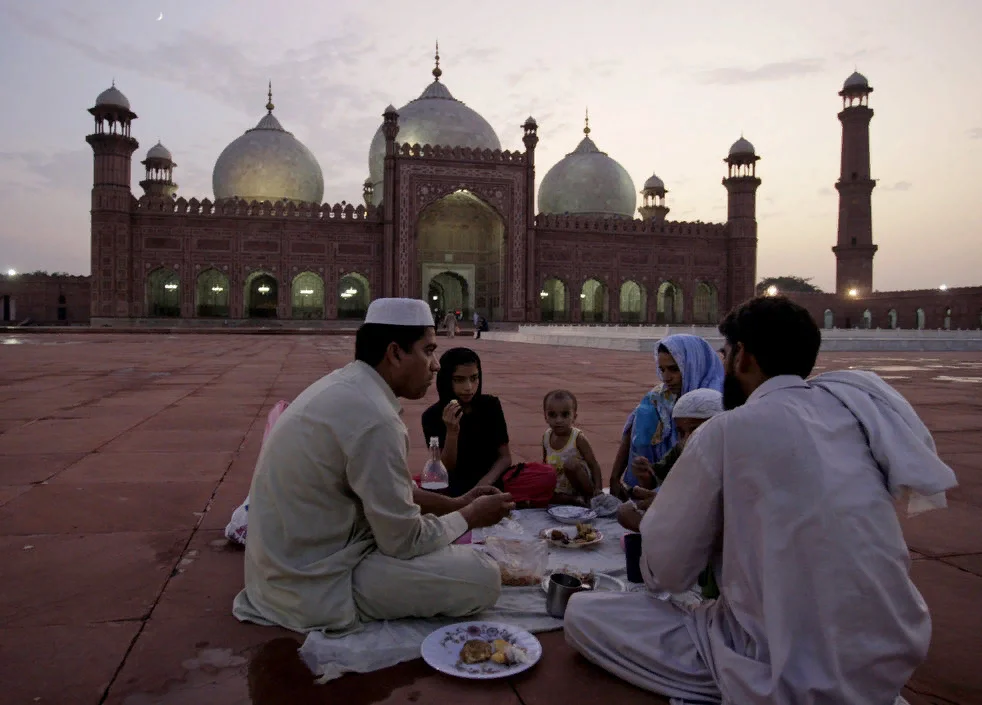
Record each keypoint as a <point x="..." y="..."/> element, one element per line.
<point x="460" y="256"/>
<point x="891" y="320"/>
<point x="261" y="295"/>
<point x="631" y="300"/>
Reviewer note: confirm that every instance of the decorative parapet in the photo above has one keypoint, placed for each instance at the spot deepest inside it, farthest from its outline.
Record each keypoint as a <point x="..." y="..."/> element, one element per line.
<point x="461" y="154"/>
<point x="242" y="208"/>
<point x="586" y="223"/>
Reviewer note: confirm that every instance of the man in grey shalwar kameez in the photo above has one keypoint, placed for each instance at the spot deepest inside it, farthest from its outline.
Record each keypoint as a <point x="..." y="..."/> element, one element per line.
<point x="790" y="495"/>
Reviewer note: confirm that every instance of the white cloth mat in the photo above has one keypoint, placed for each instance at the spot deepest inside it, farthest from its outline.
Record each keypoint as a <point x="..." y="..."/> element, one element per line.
<point x="382" y="644"/>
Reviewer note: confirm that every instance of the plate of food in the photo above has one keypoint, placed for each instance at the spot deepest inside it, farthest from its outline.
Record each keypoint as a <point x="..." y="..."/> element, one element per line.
<point x="481" y="650"/>
<point x="598" y="582"/>
<point x="584" y="535"/>
<point x="567" y="514"/>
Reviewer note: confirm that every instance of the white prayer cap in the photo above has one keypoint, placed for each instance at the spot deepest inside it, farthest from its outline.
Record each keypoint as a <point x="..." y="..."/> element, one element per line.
<point x="399" y="312"/>
<point x="698" y="404"/>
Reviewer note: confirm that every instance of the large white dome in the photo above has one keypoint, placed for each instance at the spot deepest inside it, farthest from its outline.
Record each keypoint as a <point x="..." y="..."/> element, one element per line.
<point x="435" y="118"/>
<point x="267" y="163"/>
<point x="588" y="182"/>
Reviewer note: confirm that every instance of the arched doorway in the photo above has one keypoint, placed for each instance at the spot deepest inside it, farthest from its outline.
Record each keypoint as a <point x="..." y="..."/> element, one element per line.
<point x="448" y="291"/>
<point x="307" y="296"/>
<point x="9" y="308"/>
<point x="554" y="301"/>
<point x="353" y="295"/>
<point x="919" y="317"/>
<point x="62" y="308"/>
<point x="593" y="301"/>
<point x="464" y="237"/>
<point x="633" y="302"/>
<point x="867" y="319"/>
<point x="669" y="303"/>
<point x="211" y="294"/>
<point x="261" y="295"/>
<point x="947" y="319"/>
<point x="704" y="304"/>
<point x="163" y="293"/>
<point x="892" y="318"/>
<point x="829" y="319"/>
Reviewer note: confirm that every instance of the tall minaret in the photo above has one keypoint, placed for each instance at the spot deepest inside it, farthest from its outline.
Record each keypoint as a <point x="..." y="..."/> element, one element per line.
<point x="855" y="249"/>
<point x="113" y="147"/>
<point x="741" y="184"/>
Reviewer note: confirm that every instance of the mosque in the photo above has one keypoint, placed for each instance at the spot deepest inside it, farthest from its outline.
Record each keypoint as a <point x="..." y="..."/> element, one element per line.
<point x="449" y="216"/>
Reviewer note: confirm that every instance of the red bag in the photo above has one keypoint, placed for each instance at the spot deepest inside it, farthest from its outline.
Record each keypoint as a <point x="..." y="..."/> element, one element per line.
<point x="530" y="484"/>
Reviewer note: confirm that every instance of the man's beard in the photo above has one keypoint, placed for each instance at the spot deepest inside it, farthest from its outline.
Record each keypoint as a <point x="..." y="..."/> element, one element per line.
<point x="733" y="395"/>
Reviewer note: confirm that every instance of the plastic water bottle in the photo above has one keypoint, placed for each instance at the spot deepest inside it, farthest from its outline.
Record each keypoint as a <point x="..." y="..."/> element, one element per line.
<point x="434" y="475"/>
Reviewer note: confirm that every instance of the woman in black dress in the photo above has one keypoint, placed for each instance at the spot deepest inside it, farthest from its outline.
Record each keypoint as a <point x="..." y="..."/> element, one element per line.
<point x="470" y="425"/>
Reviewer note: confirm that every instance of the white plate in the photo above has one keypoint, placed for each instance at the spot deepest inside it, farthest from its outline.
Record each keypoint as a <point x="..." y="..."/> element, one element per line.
<point x="441" y="649"/>
<point x="571" y="515"/>
<point x="570" y="533"/>
<point x="601" y="582"/>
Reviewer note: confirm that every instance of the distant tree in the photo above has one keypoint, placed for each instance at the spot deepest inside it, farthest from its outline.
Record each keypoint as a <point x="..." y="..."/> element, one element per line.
<point x="792" y="284"/>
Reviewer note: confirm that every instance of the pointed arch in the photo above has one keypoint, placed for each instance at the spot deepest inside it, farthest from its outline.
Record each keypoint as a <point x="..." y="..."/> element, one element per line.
<point x="920" y="319"/>
<point x="705" y="304"/>
<point x="829" y="319"/>
<point x="947" y="319"/>
<point x="892" y="318"/>
<point x="593" y="301"/>
<point x="354" y="295"/>
<point x="163" y="293"/>
<point x="211" y="294"/>
<point x="670" y="304"/>
<point x="554" y="300"/>
<point x="633" y="302"/>
<point x="307" y="296"/>
<point x="261" y="295"/>
<point x="867" y="319"/>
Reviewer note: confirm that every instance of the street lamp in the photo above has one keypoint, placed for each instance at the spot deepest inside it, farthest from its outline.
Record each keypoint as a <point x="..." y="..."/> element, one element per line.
<point x="943" y="287"/>
<point x="854" y="293"/>
<point x="11" y="272"/>
<point x="772" y="290"/>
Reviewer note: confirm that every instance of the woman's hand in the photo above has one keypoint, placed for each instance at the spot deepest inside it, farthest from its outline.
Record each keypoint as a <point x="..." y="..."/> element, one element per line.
<point x="642" y="470"/>
<point x="451" y="416"/>
<point x="478" y="491"/>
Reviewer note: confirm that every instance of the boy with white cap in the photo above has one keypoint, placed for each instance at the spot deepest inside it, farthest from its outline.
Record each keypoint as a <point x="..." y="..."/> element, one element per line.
<point x="338" y="532"/>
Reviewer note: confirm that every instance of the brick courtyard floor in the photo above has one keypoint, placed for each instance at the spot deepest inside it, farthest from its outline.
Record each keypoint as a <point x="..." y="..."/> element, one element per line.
<point x="123" y="456"/>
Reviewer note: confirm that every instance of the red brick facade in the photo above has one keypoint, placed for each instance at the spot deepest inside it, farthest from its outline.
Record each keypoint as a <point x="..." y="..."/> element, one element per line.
<point x="44" y="299"/>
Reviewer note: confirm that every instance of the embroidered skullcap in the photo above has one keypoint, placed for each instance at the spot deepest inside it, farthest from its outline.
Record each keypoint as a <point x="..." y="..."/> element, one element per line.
<point x="698" y="404"/>
<point x="399" y="312"/>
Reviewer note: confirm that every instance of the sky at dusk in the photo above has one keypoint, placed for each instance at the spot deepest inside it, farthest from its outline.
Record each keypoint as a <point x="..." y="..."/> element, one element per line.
<point x="670" y="84"/>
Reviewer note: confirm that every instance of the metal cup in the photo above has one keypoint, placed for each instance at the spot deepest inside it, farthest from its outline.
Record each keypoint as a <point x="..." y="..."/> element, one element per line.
<point x="561" y="588"/>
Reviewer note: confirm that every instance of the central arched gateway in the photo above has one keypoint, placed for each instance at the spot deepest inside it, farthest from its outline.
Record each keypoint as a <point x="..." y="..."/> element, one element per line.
<point x="460" y="249"/>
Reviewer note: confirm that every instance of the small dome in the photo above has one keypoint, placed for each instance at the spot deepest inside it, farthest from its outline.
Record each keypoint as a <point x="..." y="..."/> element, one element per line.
<point x="113" y="97"/>
<point x="856" y="80"/>
<point x="654" y="184"/>
<point x="435" y="118"/>
<point x="267" y="163"/>
<point x="742" y="147"/>
<point x="159" y="151"/>
<point x="588" y="182"/>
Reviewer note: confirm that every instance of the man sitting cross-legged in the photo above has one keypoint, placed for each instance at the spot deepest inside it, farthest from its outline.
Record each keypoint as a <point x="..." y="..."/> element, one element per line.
<point x="338" y="532"/>
<point x="789" y="495"/>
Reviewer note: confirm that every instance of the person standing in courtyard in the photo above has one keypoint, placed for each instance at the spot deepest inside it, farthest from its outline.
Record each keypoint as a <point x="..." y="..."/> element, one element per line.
<point x="338" y="532"/>
<point x="790" y="495"/>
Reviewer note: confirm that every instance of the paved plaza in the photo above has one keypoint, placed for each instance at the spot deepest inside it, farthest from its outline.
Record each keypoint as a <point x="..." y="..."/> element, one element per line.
<point x="123" y="456"/>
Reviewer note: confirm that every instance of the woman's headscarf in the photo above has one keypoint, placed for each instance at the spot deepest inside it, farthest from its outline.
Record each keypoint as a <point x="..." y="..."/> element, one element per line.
<point x="449" y="362"/>
<point x="654" y="430"/>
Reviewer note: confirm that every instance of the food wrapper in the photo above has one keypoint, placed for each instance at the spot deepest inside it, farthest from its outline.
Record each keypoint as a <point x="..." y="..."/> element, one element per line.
<point x="522" y="563"/>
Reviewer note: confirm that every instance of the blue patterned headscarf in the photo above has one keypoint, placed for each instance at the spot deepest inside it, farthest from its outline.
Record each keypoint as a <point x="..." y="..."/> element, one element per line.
<point x="653" y="430"/>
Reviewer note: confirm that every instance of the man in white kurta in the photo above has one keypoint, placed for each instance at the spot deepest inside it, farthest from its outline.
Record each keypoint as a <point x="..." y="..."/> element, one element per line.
<point x="817" y="608"/>
<point x="335" y="536"/>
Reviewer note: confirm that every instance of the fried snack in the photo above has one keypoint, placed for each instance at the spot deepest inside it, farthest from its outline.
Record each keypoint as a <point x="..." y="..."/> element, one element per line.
<point x="585" y="533"/>
<point x="517" y="579"/>
<point x="558" y="535"/>
<point x="476" y="651"/>
<point x="507" y="654"/>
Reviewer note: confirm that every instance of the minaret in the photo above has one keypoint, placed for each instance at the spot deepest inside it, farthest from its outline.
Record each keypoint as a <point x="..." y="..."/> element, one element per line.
<point x="741" y="185"/>
<point x="653" y="200"/>
<point x="113" y="147"/>
<point x="855" y="249"/>
<point x="159" y="181"/>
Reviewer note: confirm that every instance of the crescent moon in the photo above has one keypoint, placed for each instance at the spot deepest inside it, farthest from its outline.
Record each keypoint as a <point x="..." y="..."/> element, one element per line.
<point x="161" y="17"/>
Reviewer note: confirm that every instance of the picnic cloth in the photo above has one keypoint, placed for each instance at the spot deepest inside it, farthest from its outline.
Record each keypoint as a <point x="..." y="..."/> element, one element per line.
<point x="383" y="644"/>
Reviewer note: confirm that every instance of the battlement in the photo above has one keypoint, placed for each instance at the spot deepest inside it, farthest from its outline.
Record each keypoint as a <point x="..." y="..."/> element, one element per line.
<point x="460" y="154"/>
<point x="550" y="221"/>
<point x="255" y="209"/>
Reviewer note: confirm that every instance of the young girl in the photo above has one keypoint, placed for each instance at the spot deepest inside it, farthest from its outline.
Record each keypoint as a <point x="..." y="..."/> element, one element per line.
<point x="685" y="363"/>
<point x="578" y="476"/>
<point x="470" y="424"/>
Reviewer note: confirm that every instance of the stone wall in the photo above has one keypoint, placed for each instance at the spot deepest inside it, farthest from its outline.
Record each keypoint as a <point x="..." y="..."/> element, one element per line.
<point x="955" y="309"/>
<point x="44" y="298"/>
